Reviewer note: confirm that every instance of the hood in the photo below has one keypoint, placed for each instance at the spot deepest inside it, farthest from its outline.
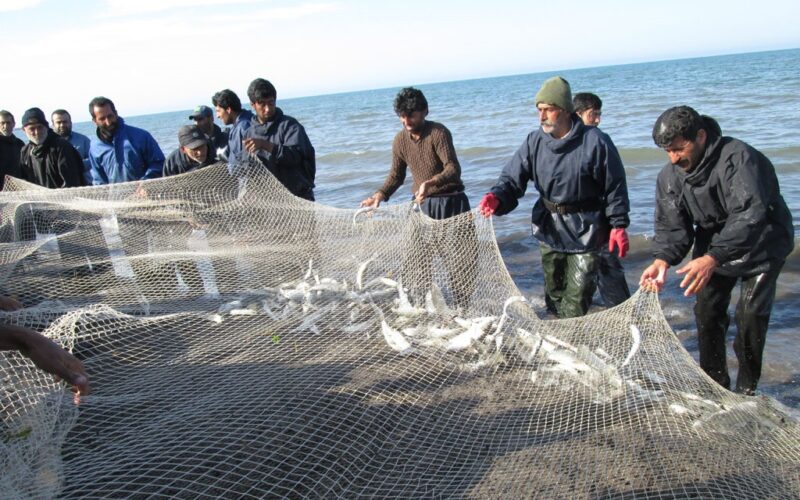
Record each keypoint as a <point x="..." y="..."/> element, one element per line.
<point x="699" y="174"/>
<point x="574" y="136"/>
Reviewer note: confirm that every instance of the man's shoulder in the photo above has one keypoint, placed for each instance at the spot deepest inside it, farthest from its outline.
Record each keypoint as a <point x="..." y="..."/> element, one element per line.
<point x="79" y="136"/>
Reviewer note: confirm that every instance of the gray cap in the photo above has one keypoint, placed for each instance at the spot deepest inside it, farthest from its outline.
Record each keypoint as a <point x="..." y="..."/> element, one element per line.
<point x="189" y="136"/>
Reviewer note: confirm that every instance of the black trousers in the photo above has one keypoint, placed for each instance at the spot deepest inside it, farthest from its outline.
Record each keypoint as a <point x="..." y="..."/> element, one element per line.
<point x="456" y="246"/>
<point x="611" y="281"/>
<point x="752" y="318"/>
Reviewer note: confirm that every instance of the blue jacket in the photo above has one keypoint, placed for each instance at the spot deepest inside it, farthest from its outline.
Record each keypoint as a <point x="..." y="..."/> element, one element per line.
<point x="581" y="169"/>
<point x="82" y="144"/>
<point x="132" y="155"/>
<point x="236" y="134"/>
<point x="293" y="160"/>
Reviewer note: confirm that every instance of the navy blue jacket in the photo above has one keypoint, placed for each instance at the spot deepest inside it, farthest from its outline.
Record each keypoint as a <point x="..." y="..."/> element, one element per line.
<point x="293" y="160"/>
<point x="131" y="155"/>
<point x="729" y="206"/>
<point x="236" y="134"/>
<point x="582" y="168"/>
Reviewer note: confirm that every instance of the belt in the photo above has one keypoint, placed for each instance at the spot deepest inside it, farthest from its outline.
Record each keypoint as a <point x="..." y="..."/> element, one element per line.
<point x="572" y="208"/>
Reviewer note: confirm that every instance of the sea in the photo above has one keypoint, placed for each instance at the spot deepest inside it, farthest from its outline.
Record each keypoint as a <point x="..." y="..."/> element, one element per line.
<point x="755" y="97"/>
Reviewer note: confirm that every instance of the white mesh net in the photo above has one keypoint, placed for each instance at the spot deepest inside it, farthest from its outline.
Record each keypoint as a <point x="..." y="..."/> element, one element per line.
<point x="252" y="344"/>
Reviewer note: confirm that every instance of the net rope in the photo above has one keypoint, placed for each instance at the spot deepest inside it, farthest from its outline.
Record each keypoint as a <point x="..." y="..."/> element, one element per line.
<point x="242" y="342"/>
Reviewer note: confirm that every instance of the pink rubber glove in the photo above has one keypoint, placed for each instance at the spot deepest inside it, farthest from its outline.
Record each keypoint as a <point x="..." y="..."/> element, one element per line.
<point x="488" y="204"/>
<point x="619" y="238"/>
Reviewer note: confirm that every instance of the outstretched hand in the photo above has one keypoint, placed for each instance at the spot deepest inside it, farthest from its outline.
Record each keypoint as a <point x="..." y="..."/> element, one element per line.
<point x="47" y="355"/>
<point x="654" y="276"/>
<point x="698" y="273"/>
<point x="373" y="201"/>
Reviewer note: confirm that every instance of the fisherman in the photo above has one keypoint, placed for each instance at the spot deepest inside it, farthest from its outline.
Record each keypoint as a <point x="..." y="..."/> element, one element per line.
<point x="229" y="111"/>
<point x="192" y="153"/>
<point x="48" y="160"/>
<point x="203" y="117"/>
<point x="62" y="125"/>
<point x="279" y="142"/>
<point x="10" y="146"/>
<point x="611" y="283"/>
<point x="719" y="197"/>
<point x="426" y="148"/>
<point x="583" y="198"/>
<point x="120" y="152"/>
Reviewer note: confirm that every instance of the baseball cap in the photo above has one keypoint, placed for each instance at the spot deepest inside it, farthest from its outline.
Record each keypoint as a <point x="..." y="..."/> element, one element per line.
<point x="189" y="136"/>
<point x="201" y="111"/>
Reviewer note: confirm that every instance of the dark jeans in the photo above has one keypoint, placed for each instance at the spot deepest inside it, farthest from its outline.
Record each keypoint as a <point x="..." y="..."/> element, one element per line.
<point x="569" y="281"/>
<point x="456" y="246"/>
<point x="752" y="318"/>
<point x="611" y="281"/>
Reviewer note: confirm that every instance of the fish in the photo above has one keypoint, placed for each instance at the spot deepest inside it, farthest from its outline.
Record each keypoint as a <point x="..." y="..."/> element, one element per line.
<point x="636" y="335"/>
<point x="473" y="333"/>
<point x="404" y="307"/>
<point x="395" y="339"/>
<point x="360" y="273"/>
<point x="361" y="211"/>
<point x="434" y="301"/>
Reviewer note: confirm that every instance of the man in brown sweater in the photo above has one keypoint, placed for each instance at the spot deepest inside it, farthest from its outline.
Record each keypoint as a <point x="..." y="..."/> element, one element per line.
<point x="426" y="147"/>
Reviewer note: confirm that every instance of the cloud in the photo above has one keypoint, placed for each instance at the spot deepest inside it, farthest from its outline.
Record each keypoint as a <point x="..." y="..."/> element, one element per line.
<point x="9" y="5"/>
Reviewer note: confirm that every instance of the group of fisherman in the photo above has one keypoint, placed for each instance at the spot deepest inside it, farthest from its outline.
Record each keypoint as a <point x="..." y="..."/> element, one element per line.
<point x="717" y="196"/>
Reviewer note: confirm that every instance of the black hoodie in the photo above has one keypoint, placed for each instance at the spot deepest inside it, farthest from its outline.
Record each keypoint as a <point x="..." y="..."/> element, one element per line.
<point x="10" y="146"/>
<point x="52" y="164"/>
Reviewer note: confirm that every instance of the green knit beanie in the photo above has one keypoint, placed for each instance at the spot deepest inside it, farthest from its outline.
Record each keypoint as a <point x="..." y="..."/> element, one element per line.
<point x="556" y="91"/>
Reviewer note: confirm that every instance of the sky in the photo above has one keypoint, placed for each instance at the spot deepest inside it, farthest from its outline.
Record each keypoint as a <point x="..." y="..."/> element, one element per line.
<point x="152" y="56"/>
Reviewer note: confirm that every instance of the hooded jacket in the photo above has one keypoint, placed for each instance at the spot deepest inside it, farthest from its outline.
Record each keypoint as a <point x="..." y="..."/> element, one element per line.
<point x="52" y="164"/>
<point x="293" y="160"/>
<point x="583" y="169"/>
<point x="236" y="134"/>
<point x="131" y="155"/>
<point x="729" y="206"/>
<point x="10" y="146"/>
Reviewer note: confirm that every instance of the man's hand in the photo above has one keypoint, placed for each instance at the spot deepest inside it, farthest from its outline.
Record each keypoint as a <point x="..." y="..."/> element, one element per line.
<point x="47" y="355"/>
<point x="373" y="201"/>
<point x="619" y="238"/>
<point x="254" y="144"/>
<point x="488" y="204"/>
<point x="423" y="192"/>
<point x="698" y="272"/>
<point x="654" y="276"/>
<point x="9" y="304"/>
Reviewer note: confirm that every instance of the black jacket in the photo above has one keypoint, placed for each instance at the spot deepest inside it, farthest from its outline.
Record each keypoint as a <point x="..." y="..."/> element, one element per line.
<point x="179" y="163"/>
<point x="218" y="144"/>
<point x="582" y="169"/>
<point x="52" y="164"/>
<point x="10" y="146"/>
<point x="293" y="160"/>
<point x="729" y="206"/>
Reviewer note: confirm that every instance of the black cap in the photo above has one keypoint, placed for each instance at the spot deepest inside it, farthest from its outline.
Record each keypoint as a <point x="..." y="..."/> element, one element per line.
<point x="201" y="111"/>
<point x="189" y="136"/>
<point x="33" y="115"/>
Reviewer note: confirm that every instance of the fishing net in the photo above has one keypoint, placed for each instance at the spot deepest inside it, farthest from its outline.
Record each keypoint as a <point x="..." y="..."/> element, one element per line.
<point x="242" y="342"/>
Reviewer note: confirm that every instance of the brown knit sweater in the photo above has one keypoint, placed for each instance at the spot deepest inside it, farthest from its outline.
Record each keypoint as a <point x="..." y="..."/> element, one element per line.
<point x="432" y="157"/>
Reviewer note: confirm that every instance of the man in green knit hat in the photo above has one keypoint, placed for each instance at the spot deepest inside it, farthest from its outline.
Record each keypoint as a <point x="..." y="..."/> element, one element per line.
<point x="583" y="198"/>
